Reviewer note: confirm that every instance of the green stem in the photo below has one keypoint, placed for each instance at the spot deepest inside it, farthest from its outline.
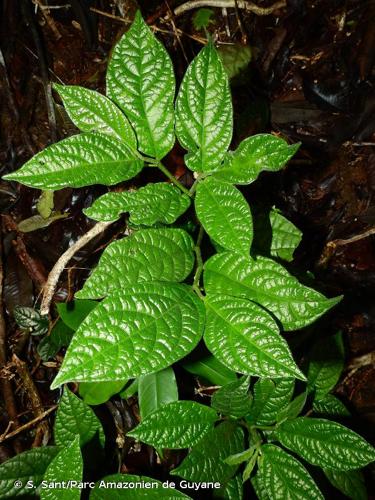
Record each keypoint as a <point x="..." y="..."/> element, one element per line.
<point x="199" y="268"/>
<point x="172" y="178"/>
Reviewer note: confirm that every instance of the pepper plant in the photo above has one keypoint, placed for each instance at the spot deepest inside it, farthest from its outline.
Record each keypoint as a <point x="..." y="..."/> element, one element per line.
<point x="152" y="298"/>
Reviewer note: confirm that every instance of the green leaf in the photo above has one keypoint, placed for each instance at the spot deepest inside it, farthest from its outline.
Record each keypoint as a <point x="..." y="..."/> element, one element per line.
<point x="330" y="406"/>
<point x="175" y="425"/>
<point x="156" y="389"/>
<point x="204" y="115"/>
<point x="139" y="487"/>
<point x="138" y="330"/>
<point x="326" y="365"/>
<point x="235" y="58"/>
<point x="255" y="154"/>
<point x="96" y="393"/>
<point x="147" y="255"/>
<point x="73" y="313"/>
<point x="74" y="417"/>
<point x="269" y="284"/>
<point x="233" y="399"/>
<point x="225" y="215"/>
<point x="270" y="398"/>
<point x="285" y="477"/>
<point x="159" y="202"/>
<point x="250" y="466"/>
<point x="210" y="369"/>
<point x="130" y="390"/>
<point x="285" y="236"/>
<point x="31" y="320"/>
<point x="50" y="345"/>
<point x="93" y="112"/>
<point x="245" y="337"/>
<point x="36" y="222"/>
<point x="45" y="204"/>
<point x="141" y="81"/>
<point x="206" y="461"/>
<point x="202" y="18"/>
<point x="241" y="457"/>
<point x="27" y="466"/>
<point x="351" y="483"/>
<point x="67" y="465"/>
<point x="259" y="487"/>
<point x="325" y="443"/>
<point x="232" y="490"/>
<point x="294" y="408"/>
<point x="80" y="160"/>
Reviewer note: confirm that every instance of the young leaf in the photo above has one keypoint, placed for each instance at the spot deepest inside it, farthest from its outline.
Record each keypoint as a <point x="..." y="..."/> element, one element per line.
<point x="179" y="424"/>
<point x="269" y="284"/>
<point x="351" y="483"/>
<point x="156" y="389"/>
<point x="326" y="365"/>
<point x="270" y="398"/>
<point x="210" y="369"/>
<point x="96" y="393"/>
<point x="325" y="443"/>
<point x="67" y="465"/>
<point x="74" y="417"/>
<point x="254" y="154"/>
<point x="232" y="490"/>
<point x="159" y="202"/>
<point x="330" y="406"/>
<point x="73" y="313"/>
<point x="206" y="461"/>
<point x="138" y="330"/>
<point x="294" y="408"/>
<point x="141" y="81"/>
<point x="204" y="115"/>
<point x="233" y="399"/>
<point x="163" y="254"/>
<point x="285" y="236"/>
<point x="105" y="489"/>
<point x="245" y="337"/>
<point x="202" y="18"/>
<point x="91" y="111"/>
<point x="225" y="215"/>
<point x="284" y="476"/>
<point x="27" y="466"/>
<point x="80" y="160"/>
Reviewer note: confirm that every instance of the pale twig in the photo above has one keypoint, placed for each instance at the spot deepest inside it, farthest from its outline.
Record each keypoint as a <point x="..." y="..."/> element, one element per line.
<point x="26" y="426"/>
<point x="54" y="275"/>
<point x="240" y="4"/>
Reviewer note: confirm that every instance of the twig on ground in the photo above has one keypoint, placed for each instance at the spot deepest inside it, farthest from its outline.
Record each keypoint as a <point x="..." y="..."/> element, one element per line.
<point x="331" y="246"/>
<point x="54" y="275"/>
<point x="26" y="426"/>
<point x="240" y="4"/>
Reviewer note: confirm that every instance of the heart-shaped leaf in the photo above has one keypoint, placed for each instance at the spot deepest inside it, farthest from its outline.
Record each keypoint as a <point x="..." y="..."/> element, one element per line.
<point x="141" y="81"/>
<point x="164" y="254"/>
<point x="140" y="329"/>
<point x="269" y="284"/>
<point x="245" y="337"/>
<point x="204" y="115"/>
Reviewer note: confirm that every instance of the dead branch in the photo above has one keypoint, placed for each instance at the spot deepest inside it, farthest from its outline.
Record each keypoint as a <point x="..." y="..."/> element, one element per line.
<point x="240" y="4"/>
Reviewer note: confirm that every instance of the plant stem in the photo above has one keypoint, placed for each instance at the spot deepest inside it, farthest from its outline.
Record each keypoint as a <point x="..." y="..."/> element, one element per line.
<point x="199" y="268"/>
<point x="172" y="178"/>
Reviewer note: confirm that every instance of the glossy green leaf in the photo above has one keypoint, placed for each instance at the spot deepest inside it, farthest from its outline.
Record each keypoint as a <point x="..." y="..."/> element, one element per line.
<point x="30" y="320"/>
<point x="326" y="365"/>
<point x="175" y="425"/>
<point x="73" y="313"/>
<point x="206" y="461"/>
<point x="294" y="408"/>
<point x="330" y="406"/>
<point x="259" y="487"/>
<point x="96" y="393"/>
<point x="285" y="236"/>
<point x="211" y="369"/>
<point x="159" y="202"/>
<point x="284" y="476"/>
<point x="270" y="398"/>
<point x="27" y="466"/>
<point x="74" y="417"/>
<point x="50" y="345"/>
<point x="155" y="390"/>
<point x="225" y="215"/>
<point x="233" y="399"/>
<point x="91" y="111"/>
<point x="351" y="483"/>
<point x="204" y="115"/>
<point x="269" y="284"/>
<point x="67" y="465"/>
<point x="80" y="160"/>
<point x="131" y="487"/>
<point x="254" y="154"/>
<point x="245" y="337"/>
<point x="325" y="443"/>
<point x="147" y="255"/>
<point x="138" y="330"/>
<point x="250" y="466"/>
<point x="141" y="81"/>
<point x="232" y="490"/>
